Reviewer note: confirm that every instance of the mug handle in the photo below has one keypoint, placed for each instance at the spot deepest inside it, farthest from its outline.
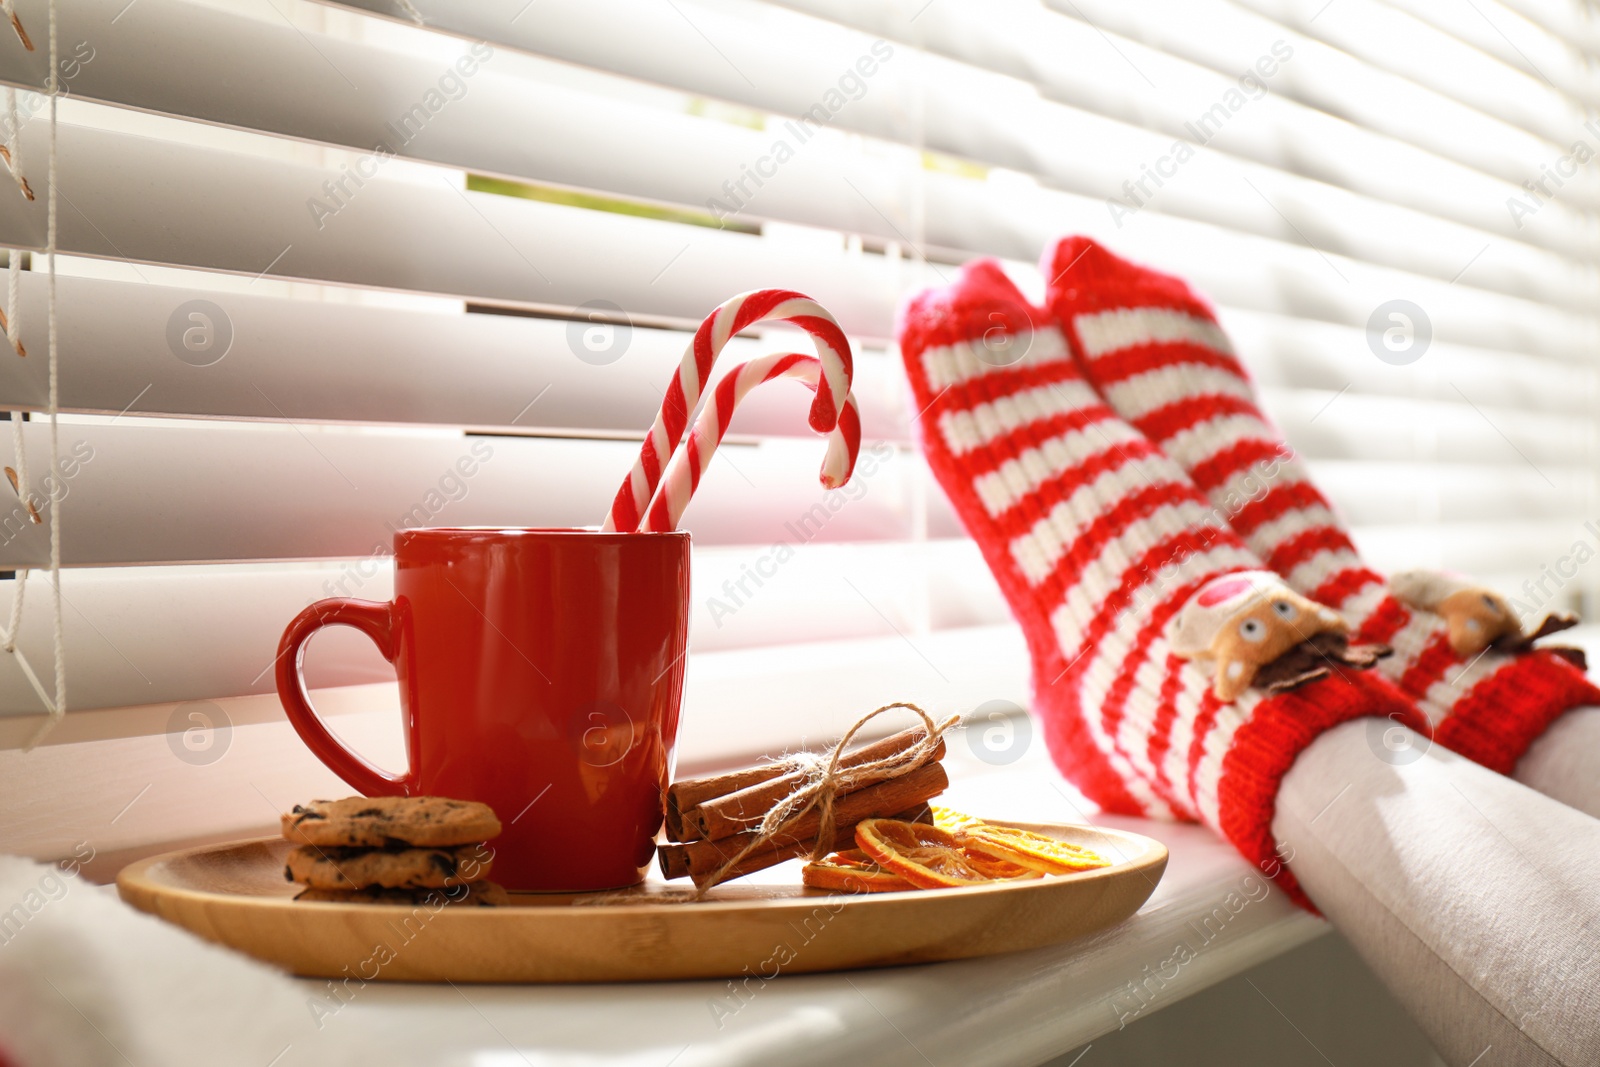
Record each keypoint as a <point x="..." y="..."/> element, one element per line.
<point x="377" y="621"/>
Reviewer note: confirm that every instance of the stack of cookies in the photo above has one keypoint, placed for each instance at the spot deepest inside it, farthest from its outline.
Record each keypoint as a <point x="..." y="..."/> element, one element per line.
<point x="399" y="850"/>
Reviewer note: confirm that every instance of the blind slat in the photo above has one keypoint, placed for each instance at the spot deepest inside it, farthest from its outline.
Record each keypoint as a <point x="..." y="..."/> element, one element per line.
<point x="182" y="491"/>
<point x="687" y="47"/>
<point x="1023" y="40"/>
<point x="1394" y="493"/>
<point x="1288" y="353"/>
<point x="1375" y="168"/>
<point x="164" y="202"/>
<point x="154" y="635"/>
<point x="1399" y="429"/>
<point x="1481" y="69"/>
<point x="1567" y="22"/>
<point x="547" y="135"/>
<point x="492" y="122"/>
<point x="1479" y="549"/>
<point x="1220" y="35"/>
<point x="312" y="361"/>
<point x="132" y="348"/>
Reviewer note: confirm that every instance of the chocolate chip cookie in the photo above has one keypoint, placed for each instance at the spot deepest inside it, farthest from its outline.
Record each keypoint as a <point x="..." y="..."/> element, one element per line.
<point x="385" y="822"/>
<point x="342" y="867"/>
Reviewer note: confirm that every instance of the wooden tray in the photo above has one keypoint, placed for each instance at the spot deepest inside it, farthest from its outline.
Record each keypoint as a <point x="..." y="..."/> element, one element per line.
<point x="235" y="895"/>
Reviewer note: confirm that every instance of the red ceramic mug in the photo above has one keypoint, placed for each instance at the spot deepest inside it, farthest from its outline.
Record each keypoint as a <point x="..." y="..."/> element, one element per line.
<point x="541" y="672"/>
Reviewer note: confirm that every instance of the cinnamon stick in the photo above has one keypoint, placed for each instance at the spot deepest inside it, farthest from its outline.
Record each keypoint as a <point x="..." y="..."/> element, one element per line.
<point x="690" y="793"/>
<point x="738" y="812"/>
<point x="674" y="858"/>
<point x="677" y="860"/>
<point x="700" y="860"/>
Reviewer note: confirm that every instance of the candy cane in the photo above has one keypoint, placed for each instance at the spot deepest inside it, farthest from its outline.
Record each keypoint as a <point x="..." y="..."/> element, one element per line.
<point x="688" y="466"/>
<point x="693" y="372"/>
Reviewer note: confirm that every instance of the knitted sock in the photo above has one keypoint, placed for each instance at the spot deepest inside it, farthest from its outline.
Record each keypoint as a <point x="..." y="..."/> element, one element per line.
<point x="1098" y="542"/>
<point x="1154" y="351"/>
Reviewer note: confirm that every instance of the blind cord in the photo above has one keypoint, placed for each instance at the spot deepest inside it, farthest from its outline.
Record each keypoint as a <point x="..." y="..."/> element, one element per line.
<point x="56" y="706"/>
<point x="16" y="612"/>
<point x="13" y="158"/>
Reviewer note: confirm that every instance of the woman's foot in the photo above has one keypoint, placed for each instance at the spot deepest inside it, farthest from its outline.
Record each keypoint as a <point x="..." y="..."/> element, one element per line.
<point x="1155" y="352"/>
<point x="1100" y="542"/>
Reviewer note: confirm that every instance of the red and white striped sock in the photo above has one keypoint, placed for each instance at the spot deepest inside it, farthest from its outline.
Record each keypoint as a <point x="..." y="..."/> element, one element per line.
<point x="1155" y="352"/>
<point x="1097" y="541"/>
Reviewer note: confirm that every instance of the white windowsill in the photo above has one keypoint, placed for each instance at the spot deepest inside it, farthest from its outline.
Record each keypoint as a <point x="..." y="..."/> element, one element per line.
<point x="1023" y="1008"/>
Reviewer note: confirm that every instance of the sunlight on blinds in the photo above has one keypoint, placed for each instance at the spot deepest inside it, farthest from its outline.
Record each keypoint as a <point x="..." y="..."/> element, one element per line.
<point x="358" y="266"/>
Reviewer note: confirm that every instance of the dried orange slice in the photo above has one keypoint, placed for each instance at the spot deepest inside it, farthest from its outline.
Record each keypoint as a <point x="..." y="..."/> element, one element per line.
<point x="952" y="820"/>
<point x="843" y="873"/>
<point x="852" y="857"/>
<point x="923" y="855"/>
<point x="1028" y="849"/>
<point x="998" y="869"/>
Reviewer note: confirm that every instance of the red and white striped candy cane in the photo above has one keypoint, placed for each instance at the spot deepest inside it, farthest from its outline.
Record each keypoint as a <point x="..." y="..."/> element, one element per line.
<point x="688" y="466"/>
<point x="683" y="393"/>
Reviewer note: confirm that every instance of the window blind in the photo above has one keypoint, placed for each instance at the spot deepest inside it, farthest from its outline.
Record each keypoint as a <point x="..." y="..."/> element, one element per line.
<point x="327" y="270"/>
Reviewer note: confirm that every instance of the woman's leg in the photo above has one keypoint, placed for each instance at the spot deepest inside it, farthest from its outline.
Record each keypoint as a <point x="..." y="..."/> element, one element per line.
<point x="1475" y="899"/>
<point x="1155" y="352"/>
<point x="1564" y="762"/>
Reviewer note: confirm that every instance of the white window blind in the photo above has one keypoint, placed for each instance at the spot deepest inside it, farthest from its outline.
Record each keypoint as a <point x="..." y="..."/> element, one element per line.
<point x="318" y="261"/>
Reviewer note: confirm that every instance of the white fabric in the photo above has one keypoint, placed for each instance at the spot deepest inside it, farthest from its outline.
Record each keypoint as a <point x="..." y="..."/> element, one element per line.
<point x="1564" y="762"/>
<point x="87" y="981"/>
<point x="1475" y="899"/>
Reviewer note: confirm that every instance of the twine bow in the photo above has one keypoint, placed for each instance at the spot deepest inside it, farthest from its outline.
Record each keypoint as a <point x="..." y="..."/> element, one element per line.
<point x="825" y="780"/>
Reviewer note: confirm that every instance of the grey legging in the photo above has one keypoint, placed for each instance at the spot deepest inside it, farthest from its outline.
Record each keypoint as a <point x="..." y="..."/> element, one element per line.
<point x="1475" y="898"/>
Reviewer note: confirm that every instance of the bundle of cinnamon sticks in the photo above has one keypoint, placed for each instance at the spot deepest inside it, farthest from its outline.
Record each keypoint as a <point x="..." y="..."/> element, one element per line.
<point x="709" y="821"/>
